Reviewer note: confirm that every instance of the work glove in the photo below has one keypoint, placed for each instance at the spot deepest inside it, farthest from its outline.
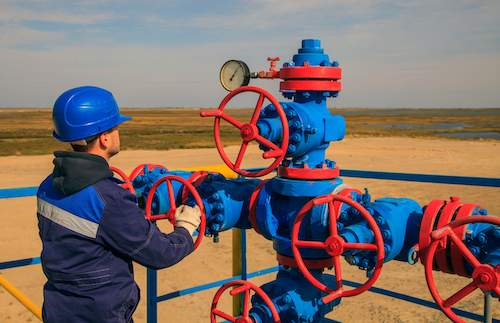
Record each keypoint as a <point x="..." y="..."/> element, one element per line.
<point x="188" y="217"/>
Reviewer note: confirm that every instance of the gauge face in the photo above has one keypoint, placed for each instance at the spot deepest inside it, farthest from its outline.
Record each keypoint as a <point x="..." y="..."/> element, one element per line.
<point x="234" y="74"/>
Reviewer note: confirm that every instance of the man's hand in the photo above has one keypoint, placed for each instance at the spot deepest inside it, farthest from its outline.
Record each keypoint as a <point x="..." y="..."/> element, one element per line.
<point x="188" y="217"/>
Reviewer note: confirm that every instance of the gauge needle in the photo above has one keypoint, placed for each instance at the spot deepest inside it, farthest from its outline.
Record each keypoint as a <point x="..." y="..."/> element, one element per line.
<point x="234" y="73"/>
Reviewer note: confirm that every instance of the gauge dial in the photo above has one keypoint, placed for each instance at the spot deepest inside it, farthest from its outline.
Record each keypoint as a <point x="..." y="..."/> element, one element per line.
<point x="234" y="74"/>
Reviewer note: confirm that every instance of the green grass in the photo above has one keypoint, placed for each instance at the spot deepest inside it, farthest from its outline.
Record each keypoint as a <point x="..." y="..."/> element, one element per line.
<point x="29" y="131"/>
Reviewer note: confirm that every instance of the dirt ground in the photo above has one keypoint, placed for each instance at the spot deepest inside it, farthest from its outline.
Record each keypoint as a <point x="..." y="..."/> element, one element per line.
<point x="212" y="261"/>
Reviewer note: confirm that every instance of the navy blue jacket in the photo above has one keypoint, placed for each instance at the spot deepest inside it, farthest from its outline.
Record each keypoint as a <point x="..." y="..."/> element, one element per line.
<point x="92" y="230"/>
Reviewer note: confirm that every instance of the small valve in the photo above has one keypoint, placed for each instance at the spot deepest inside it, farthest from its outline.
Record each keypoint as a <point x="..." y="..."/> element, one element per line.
<point x="273" y="63"/>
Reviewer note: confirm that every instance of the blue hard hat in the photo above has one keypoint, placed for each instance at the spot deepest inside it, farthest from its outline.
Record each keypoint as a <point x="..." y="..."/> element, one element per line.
<point x="83" y="112"/>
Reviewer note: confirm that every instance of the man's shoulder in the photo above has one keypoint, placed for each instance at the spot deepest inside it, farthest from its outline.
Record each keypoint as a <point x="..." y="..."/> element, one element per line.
<point x="109" y="189"/>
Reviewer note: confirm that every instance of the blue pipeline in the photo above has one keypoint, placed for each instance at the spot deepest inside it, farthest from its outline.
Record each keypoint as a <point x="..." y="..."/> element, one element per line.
<point x="161" y="201"/>
<point x="226" y="203"/>
<point x="311" y="129"/>
<point x="311" y="126"/>
<point x="278" y="204"/>
<point x="483" y="240"/>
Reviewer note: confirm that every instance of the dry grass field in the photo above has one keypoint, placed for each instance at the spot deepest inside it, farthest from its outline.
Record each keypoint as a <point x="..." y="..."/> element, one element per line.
<point x="29" y="131"/>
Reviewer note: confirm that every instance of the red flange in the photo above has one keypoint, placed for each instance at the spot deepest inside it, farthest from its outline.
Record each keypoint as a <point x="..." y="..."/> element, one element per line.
<point x="335" y="246"/>
<point x="249" y="132"/>
<point x="443" y="260"/>
<point x="245" y="287"/>
<point x="310" y="85"/>
<point x="128" y="184"/>
<point x="485" y="277"/>
<point x="170" y="215"/>
<point x="311" y="72"/>
<point x="309" y="173"/>
<point x="429" y="221"/>
<point x="320" y="263"/>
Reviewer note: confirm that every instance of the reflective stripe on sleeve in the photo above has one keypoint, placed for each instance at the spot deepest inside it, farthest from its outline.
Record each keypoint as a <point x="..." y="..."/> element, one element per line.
<point x="67" y="220"/>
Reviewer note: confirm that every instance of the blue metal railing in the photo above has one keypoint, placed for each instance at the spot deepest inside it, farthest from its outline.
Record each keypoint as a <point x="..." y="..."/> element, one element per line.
<point x="153" y="299"/>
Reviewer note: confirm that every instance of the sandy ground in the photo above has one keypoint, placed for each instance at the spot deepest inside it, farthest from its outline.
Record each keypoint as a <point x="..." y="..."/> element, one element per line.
<point x="19" y="233"/>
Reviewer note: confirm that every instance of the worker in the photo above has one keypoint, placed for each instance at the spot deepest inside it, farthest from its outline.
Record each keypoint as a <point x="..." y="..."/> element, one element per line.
<point x="90" y="227"/>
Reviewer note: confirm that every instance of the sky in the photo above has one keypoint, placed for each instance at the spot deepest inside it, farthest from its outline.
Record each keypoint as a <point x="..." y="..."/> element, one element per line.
<point x="393" y="54"/>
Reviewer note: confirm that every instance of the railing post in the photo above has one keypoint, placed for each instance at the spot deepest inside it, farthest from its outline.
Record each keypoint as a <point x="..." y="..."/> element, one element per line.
<point x="151" y="292"/>
<point x="239" y="265"/>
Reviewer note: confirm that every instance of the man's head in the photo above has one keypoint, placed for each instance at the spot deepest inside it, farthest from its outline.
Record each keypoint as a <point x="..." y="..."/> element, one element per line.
<point x="88" y="117"/>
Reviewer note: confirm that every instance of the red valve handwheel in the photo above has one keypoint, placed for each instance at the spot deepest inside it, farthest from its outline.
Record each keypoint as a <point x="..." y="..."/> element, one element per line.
<point x="250" y="132"/>
<point x="245" y="287"/>
<point x="195" y="179"/>
<point x="170" y="215"/>
<point x="128" y="184"/>
<point x="139" y="170"/>
<point x="484" y="276"/>
<point x="335" y="246"/>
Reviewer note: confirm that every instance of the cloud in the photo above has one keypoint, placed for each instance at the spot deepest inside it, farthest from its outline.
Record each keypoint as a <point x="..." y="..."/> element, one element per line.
<point x="18" y="14"/>
<point x="406" y="53"/>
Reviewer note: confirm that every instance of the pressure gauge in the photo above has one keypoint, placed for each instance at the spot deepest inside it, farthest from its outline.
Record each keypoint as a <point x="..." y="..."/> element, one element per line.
<point x="234" y="74"/>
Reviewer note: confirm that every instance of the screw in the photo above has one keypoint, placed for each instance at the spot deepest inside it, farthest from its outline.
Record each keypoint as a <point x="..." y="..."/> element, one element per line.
<point x="481" y="238"/>
<point x="291" y="113"/>
<point x="380" y="220"/>
<point x="219" y="207"/>
<point x="296" y="137"/>
<point x="353" y="260"/>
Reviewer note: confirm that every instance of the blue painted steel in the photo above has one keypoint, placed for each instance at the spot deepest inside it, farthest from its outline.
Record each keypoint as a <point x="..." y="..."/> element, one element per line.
<point x="483" y="240"/>
<point x="424" y="178"/>
<point x="418" y="301"/>
<point x="397" y="219"/>
<point x="294" y="297"/>
<point x="311" y="129"/>
<point x="409" y="177"/>
<point x="226" y="203"/>
<point x="214" y="284"/>
<point x="20" y="263"/>
<point x="311" y="52"/>
<point x="311" y="126"/>
<point x="161" y="201"/>
<point x="7" y="193"/>
<point x="151" y="298"/>
<point x="278" y="204"/>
